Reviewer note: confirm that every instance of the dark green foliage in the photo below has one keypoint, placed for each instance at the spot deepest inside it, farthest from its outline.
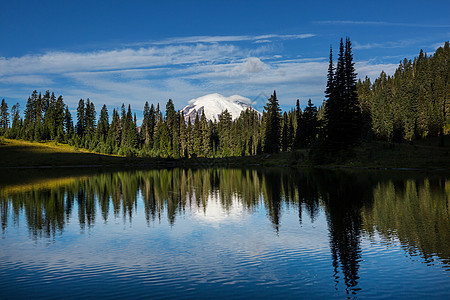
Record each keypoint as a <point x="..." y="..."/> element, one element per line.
<point x="197" y="137"/>
<point x="310" y="125"/>
<point x="68" y="123"/>
<point x="115" y="132"/>
<point x="414" y="103"/>
<point x="272" y="125"/>
<point x="4" y="116"/>
<point x="342" y="111"/>
<point x="224" y="133"/>
<point x="103" y="125"/>
<point x="81" y="118"/>
<point x="148" y="124"/>
<point x="90" y="117"/>
<point x="16" y="125"/>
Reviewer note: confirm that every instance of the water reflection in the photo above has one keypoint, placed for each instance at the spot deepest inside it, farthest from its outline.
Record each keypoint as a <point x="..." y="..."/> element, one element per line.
<point x="414" y="211"/>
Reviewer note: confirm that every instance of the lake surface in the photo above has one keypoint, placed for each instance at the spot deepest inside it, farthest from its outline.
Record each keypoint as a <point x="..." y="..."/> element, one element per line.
<point x="222" y="233"/>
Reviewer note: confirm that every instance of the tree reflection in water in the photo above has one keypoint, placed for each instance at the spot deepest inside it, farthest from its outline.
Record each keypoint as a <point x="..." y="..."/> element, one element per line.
<point x="415" y="211"/>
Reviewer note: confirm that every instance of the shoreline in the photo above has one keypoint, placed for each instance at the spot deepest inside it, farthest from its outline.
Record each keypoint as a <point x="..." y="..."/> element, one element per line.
<point x="24" y="155"/>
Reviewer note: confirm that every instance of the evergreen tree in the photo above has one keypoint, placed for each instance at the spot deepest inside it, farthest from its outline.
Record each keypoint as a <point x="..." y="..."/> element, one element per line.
<point x="205" y="135"/>
<point x="197" y="137"/>
<point x="115" y="132"/>
<point x="147" y="128"/>
<point x="132" y="139"/>
<point x="103" y="125"/>
<point x="189" y="138"/>
<point x="272" y="125"/>
<point x="4" y="116"/>
<point x="342" y="109"/>
<point x="224" y="132"/>
<point x="183" y="136"/>
<point x="90" y="118"/>
<point x="81" y="118"/>
<point x="172" y="129"/>
<point x="299" y="129"/>
<point x="16" y="129"/>
<point x="310" y="124"/>
<point x="68" y="123"/>
<point x="59" y="118"/>
<point x="284" y="132"/>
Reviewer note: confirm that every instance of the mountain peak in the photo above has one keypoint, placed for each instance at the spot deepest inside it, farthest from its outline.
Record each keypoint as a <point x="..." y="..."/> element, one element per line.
<point x="214" y="104"/>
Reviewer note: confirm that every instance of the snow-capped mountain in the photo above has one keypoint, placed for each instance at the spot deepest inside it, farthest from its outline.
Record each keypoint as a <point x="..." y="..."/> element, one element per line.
<point x="214" y="104"/>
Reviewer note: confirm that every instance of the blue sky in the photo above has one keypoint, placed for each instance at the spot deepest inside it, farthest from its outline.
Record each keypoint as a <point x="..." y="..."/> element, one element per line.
<point x="116" y="52"/>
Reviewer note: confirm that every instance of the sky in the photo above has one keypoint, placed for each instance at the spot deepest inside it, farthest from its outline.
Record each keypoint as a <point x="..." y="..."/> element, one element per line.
<point x="115" y="52"/>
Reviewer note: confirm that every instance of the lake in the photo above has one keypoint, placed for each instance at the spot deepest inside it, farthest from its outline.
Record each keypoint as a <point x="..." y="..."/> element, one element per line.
<point x="224" y="233"/>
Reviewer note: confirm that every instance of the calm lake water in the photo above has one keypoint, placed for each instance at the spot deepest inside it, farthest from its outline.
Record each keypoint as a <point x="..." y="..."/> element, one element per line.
<point x="221" y="233"/>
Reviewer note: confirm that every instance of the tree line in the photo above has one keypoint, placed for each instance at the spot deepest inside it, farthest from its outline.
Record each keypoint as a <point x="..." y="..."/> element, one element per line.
<point x="412" y="104"/>
<point x="162" y="134"/>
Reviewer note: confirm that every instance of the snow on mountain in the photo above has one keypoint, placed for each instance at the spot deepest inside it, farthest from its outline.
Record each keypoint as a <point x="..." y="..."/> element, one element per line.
<point x="214" y="104"/>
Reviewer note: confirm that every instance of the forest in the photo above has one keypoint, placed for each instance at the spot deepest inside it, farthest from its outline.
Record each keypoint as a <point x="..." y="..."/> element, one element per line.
<point x="410" y="105"/>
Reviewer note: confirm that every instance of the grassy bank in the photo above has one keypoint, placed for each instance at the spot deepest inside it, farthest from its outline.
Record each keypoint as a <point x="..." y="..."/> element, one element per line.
<point x="14" y="153"/>
<point x="425" y="155"/>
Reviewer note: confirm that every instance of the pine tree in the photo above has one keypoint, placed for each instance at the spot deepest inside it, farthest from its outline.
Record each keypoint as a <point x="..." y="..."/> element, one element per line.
<point x="197" y="137"/>
<point x="342" y="110"/>
<point x="81" y="119"/>
<point x="299" y="129"/>
<point x="205" y="135"/>
<point x="38" y="125"/>
<point x="172" y="128"/>
<point x="146" y="128"/>
<point x="68" y="123"/>
<point x="284" y="132"/>
<point x="224" y="132"/>
<point x="90" y="117"/>
<point x="115" y="132"/>
<point x="103" y="125"/>
<point x="272" y="125"/>
<point x="310" y="124"/>
<point x="15" y="131"/>
<point x="183" y="136"/>
<point x="132" y="139"/>
<point x="59" y="118"/>
<point x="4" y="116"/>
<point x="189" y="138"/>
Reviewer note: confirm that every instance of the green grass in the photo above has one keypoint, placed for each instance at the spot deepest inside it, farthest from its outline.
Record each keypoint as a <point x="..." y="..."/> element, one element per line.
<point x="15" y="153"/>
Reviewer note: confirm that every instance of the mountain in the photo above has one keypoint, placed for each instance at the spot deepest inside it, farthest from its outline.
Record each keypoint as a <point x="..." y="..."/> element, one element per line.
<point x="214" y="104"/>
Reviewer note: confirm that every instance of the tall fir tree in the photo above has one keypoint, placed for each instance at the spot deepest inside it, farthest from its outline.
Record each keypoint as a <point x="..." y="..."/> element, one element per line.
<point x="310" y="124"/>
<point x="68" y="122"/>
<point x="272" y="125"/>
<point x="81" y="118"/>
<point x="224" y="133"/>
<point x="16" y="127"/>
<point x="146" y="128"/>
<point x="103" y="125"/>
<point x="343" y="116"/>
<point x="90" y="117"/>
<point x="4" y="115"/>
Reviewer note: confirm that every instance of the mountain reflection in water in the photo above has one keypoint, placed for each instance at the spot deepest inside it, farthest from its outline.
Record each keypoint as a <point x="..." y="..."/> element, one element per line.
<point x="410" y="209"/>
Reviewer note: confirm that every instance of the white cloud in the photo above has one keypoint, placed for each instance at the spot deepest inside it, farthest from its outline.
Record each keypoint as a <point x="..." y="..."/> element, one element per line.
<point x="253" y="65"/>
<point x="64" y="62"/>
<point x="180" y="69"/>
<point x="366" y="68"/>
<point x="26" y="79"/>
<point x="380" y="23"/>
<point x="231" y="38"/>
<point x="396" y="44"/>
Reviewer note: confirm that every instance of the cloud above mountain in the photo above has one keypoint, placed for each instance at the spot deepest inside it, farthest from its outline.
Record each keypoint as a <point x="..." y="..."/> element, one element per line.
<point x="178" y="68"/>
